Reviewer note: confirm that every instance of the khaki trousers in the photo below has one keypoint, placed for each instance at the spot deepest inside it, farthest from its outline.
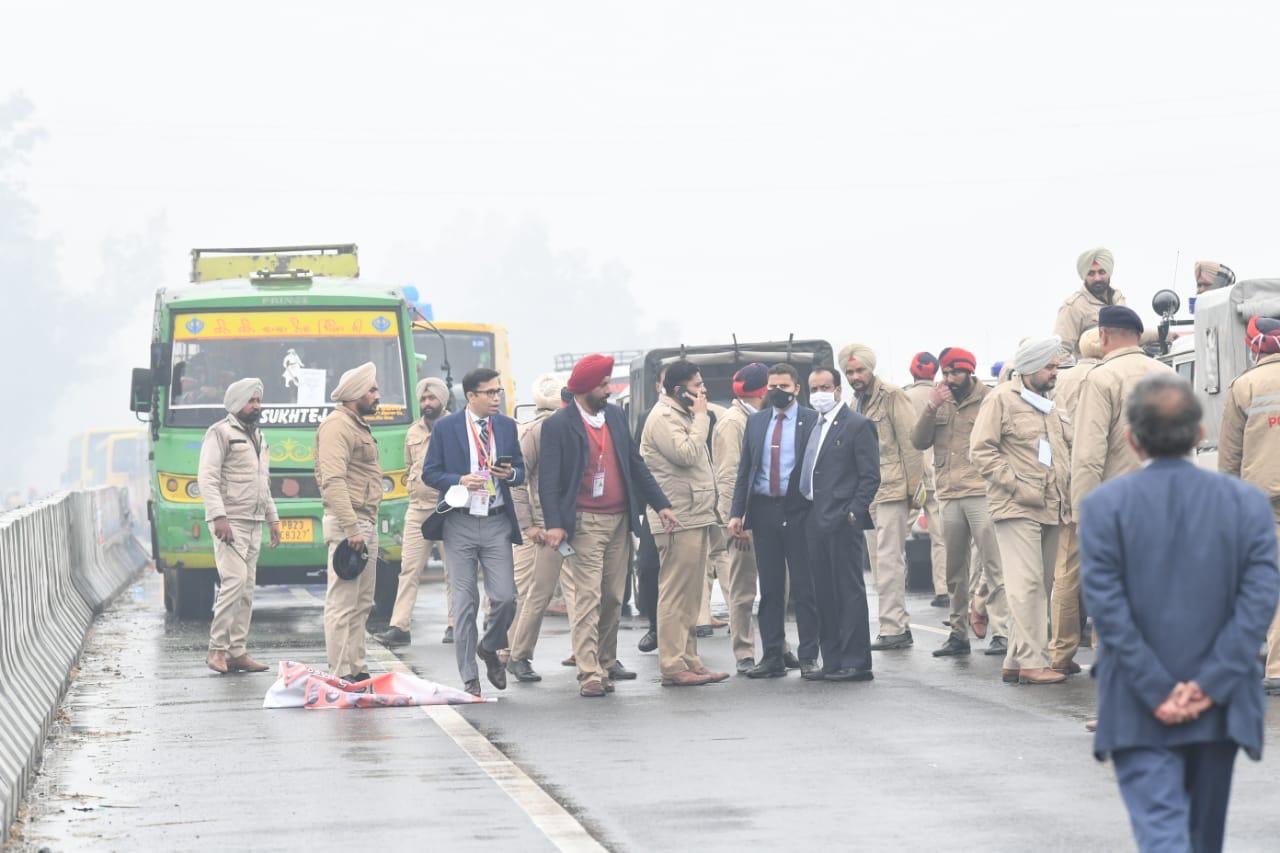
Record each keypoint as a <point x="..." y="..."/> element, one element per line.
<point x="597" y="570"/>
<point x="979" y="588"/>
<point x="734" y="564"/>
<point x="1273" y="639"/>
<point x="717" y="569"/>
<point x="347" y="603"/>
<point x="893" y="523"/>
<point x="237" y="573"/>
<point x="937" y="543"/>
<point x="538" y="569"/>
<point x="1028" y="550"/>
<point x="1064" y="639"/>
<point x="966" y="521"/>
<point x="413" y="559"/>
<point x="682" y="556"/>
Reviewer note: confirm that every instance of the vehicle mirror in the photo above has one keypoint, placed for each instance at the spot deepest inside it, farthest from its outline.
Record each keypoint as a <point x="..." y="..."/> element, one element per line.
<point x="140" y="390"/>
<point x="161" y="369"/>
<point x="1166" y="303"/>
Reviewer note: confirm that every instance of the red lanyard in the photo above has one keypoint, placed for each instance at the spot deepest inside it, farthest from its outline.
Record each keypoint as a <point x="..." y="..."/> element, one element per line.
<point x="483" y="454"/>
<point x="602" y="441"/>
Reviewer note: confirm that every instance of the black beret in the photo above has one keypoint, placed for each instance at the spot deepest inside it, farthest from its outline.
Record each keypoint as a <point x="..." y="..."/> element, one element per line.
<point x="1119" y="317"/>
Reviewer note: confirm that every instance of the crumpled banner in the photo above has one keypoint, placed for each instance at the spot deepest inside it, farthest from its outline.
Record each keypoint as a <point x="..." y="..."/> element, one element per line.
<point x="300" y="686"/>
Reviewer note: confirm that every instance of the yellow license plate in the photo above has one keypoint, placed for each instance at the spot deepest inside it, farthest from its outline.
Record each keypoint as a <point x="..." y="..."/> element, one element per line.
<point x="297" y="531"/>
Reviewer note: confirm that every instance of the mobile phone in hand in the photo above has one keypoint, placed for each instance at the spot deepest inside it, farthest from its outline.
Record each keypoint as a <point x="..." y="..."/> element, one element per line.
<point x="566" y="550"/>
<point x="504" y="461"/>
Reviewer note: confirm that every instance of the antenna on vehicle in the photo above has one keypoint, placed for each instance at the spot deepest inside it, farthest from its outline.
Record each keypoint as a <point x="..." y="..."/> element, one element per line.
<point x="736" y="356"/>
<point x="790" y="340"/>
<point x="444" y="353"/>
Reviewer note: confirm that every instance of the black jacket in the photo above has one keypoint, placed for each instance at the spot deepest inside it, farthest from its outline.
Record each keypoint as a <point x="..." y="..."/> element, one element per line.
<point x="563" y="461"/>
<point x="846" y="474"/>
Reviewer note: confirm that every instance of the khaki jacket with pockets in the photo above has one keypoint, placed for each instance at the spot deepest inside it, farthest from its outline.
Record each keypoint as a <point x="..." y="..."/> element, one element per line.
<point x="1005" y="447"/>
<point x="416" y="441"/>
<point x="726" y="452"/>
<point x="674" y="447"/>
<point x="901" y="464"/>
<point x="525" y="496"/>
<point x="234" y="473"/>
<point x="918" y="393"/>
<point x="1100" y="448"/>
<point x="347" y="471"/>
<point x="1249" y="441"/>
<point x="1079" y="314"/>
<point x="947" y="430"/>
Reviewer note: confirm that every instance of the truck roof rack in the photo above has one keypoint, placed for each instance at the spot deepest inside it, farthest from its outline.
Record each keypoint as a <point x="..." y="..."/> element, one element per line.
<point x="326" y="259"/>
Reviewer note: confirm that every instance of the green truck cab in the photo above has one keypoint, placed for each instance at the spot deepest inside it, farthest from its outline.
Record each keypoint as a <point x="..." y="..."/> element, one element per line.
<point x="297" y="318"/>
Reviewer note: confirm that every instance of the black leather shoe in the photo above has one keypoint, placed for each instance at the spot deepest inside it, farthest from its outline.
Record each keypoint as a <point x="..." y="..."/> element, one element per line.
<point x="448" y="635"/>
<point x="940" y="601"/>
<point x="745" y="665"/>
<point x="473" y="687"/>
<point x="649" y="641"/>
<point x="790" y="660"/>
<point x="997" y="646"/>
<point x="770" y="667"/>
<point x="1271" y="686"/>
<point x="953" y="646"/>
<point x="492" y="667"/>
<point x="393" y="636"/>
<point x="807" y="666"/>
<point x="523" y="671"/>
<point x="618" y="672"/>
<point x="704" y="631"/>
<point x="884" y="642"/>
<point x="813" y="673"/>
<point x="849" y="673"/>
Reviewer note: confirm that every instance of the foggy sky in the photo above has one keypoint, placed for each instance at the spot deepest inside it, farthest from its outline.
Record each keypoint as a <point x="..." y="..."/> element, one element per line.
<point x="912" y="175"/>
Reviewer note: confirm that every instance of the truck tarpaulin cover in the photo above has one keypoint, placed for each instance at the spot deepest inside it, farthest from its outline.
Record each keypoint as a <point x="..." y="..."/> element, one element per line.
<point x="300" y="686"/>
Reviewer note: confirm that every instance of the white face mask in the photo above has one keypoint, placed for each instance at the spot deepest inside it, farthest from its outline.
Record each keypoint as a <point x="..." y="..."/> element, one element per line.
<point x="823" y="401"/>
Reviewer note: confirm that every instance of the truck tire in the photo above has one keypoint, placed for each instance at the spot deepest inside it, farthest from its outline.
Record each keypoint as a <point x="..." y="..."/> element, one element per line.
<point x="385" y="584"/>
<point x="189" y="593"/>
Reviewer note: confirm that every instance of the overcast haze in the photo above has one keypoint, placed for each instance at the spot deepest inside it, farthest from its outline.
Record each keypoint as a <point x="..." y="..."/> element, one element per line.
<point x="601" y="175"/>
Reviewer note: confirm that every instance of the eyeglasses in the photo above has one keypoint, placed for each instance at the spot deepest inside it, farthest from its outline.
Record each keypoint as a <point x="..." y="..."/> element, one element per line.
<point x="490" y="392"/>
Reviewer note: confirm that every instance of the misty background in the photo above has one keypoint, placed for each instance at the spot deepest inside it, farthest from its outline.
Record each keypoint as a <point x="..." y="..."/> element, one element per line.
<point x="603" y="175"/>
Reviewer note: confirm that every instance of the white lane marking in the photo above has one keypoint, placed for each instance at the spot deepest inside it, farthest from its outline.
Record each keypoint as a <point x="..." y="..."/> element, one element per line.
<point x="561" y="828"/>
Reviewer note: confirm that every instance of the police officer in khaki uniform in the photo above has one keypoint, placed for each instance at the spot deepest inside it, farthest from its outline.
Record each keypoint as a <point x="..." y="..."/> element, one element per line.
<point x="1019" y="445"/>
<point x="924" y="367"/>
<point x="350" y="480"/>
<point x="235" y="483"/>
<point x="1080" y="310"/>
<point x="1249" y="443"/>
<point x="946" y="425"/>
<point x="674" y="448"/>
<point x="901" y="469"/>
<point x="1100" y="446"/>
<point x="432" y="397"/>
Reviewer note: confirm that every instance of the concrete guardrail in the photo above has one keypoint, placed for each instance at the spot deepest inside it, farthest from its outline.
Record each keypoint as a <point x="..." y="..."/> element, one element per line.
<point x="61" y="560"/>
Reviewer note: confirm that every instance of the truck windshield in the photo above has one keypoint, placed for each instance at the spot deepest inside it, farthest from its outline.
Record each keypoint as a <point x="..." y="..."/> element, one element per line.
<point x="467" y="351"/>
<point x="298" y="355"/>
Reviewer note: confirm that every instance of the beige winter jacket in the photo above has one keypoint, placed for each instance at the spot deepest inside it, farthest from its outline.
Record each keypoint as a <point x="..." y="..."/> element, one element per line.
<point x="1078" y="314"/>
<point x="674" y="446"/>
<point x="726" y="453"/>
<point x="1249" y="441"/>
<point x="901" y="464"/>
<point x="347" y="471"/>
<point x="525" y="496"/>
<point x="947" y="430"/>
<point x="234" y="473"/>
<point x="918" y="393"/>
<point x="416" y="441"/>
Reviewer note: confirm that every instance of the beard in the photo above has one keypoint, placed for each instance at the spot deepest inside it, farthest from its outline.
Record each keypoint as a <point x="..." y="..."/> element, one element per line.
<point x="962" y="390"/>
<point x="596" y="403"/>
<point x="366" y="409"/>
<point x="1043" y="390"/>
<point x="431" y="414"/>
<point x="250" y="417"/>
<point x="1099" y="288"/>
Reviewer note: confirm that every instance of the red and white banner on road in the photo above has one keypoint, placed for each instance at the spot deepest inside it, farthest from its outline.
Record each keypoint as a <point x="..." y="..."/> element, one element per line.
<point x="300" y="686"/>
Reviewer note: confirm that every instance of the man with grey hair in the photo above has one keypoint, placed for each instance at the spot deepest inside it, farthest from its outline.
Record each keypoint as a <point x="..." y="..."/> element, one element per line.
<point x="234" y="479"/>
<point x="1019" y="446"/>
<point x="433" y="395"/>
<point x="1179" y="570"/>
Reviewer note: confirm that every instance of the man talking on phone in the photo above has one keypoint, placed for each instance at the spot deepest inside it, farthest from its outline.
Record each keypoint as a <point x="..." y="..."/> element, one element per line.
<point x="478" y="449"/>
<point x="593" y="486"/>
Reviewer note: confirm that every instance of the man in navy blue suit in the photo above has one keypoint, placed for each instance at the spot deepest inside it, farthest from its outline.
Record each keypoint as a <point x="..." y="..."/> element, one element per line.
<point x="1179" y="574"/>
<point x="479" y="450"/>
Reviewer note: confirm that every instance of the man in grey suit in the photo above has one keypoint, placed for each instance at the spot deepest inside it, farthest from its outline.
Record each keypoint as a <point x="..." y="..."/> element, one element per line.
<point x="1179" y="573"/>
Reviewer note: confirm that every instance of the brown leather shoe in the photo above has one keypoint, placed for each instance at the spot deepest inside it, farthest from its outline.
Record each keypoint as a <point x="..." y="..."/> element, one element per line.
<point x="979" y="623"/>
<point x="592" y="688"/>
<point x="569" y="661"/>
<point x="712" y="677"/>
<point x="1066" y="667"/>
<point x="1043" y="675"/>
<point x="608" y="685"/>
<point x="688" y="678"/>
<point x="1009" y="676"/>
<point x="217" y="661"/>
<point x="244" y="663"/>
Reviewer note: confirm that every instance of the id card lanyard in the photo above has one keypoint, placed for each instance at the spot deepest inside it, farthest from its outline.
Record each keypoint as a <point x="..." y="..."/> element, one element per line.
<point x="480" y="500"/>
<point x="601" y="441"/>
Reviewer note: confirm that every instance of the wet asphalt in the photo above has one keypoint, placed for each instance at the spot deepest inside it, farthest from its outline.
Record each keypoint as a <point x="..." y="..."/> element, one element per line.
<point x="154" y="751"/>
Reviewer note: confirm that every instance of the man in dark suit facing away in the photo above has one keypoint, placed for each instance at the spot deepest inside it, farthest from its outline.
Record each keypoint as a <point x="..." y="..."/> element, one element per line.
<point x="1179" y="573"/>
<point x="839" y="474"/>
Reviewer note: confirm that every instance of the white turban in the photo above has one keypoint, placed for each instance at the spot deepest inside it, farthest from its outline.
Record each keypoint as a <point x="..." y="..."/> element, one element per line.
<point x="355" y="383"/>
<point x="862" y="353"/>
<point x="1101" y="256"/>
<point x="1036" y="354"/>
<point x="437" y="386"/>
<point x="546" y="391"/>
<point x="240" y="392"/>
<point x="1090" y="344"/>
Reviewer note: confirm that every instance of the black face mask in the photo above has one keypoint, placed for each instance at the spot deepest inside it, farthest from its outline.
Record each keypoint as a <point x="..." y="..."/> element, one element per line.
<point x="780" y="399"/>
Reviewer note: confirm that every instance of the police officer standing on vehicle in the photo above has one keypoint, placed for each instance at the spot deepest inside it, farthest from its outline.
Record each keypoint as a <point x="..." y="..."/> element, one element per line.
<point x="235" y="483"/>
<point x="350" y="481"/>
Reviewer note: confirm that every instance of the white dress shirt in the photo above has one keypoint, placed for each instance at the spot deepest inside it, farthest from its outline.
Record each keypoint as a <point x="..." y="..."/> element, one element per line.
<point x="473" y="431"/>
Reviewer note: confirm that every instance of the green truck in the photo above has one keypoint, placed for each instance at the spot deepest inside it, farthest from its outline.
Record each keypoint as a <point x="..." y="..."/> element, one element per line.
<point x="296" y="317"/>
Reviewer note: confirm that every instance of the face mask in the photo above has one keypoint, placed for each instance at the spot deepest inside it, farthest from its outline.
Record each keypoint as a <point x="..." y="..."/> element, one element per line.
<point x="780" y="399"/>
<point x="823" y="401"/>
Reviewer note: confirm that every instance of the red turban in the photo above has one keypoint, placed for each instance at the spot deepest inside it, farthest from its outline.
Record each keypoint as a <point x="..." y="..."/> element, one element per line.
<point x="1263" y="335"/>
<point x="954" y="358"/>
<point x="589" y="372"/>
<point x="924" y="365"/>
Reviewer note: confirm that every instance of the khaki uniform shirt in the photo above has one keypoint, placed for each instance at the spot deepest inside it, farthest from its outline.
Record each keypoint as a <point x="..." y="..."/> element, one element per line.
<point x="525" y="496"/>
<point x="416" y="442"/>
<point x="1100" y="447"/>
<point x="234" y="473"/>
<point x="1079" y="314"/>
<point x="726" y="453"/>
<point x="947" y="430"/>
<point x="1006" y="448"/>
<point x="1067" y="391"/>
<point x="918" y="393"/>
<point x="901" y="465"/>
<point x="347" y="470"/>
<point x="1249" y="442"/>
<point x="674" y="447"/>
